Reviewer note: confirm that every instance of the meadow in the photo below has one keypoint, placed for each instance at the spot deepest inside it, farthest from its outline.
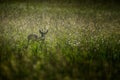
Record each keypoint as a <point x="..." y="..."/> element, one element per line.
<point x="82" y="43"/>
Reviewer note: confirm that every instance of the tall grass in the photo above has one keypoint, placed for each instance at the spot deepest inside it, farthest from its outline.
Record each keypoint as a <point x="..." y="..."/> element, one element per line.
<point x="82" y="42"/>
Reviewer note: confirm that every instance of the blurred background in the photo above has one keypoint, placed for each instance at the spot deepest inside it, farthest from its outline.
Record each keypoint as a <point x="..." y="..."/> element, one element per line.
<point x="82" y="43"/>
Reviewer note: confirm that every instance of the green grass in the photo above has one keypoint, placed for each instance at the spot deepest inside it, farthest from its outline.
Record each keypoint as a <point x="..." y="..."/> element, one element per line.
<point x="82" y="43"/>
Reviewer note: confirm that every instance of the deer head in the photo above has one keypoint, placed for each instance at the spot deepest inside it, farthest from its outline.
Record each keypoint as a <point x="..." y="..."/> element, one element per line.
<point x="43" y="33"/>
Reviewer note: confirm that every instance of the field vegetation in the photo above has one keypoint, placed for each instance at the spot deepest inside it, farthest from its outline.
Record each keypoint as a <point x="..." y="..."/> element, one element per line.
<point x="82" y="43"/>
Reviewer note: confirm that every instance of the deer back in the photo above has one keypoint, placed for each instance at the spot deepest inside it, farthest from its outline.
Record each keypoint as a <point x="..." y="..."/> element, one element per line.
<point x="32" y="37"/>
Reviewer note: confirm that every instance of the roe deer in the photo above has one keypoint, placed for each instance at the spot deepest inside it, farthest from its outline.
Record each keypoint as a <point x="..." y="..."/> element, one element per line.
<point x="34" y="37"/>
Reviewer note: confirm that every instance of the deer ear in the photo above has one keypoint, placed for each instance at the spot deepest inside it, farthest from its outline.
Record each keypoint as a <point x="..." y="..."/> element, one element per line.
<point x="46" y="32"/>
